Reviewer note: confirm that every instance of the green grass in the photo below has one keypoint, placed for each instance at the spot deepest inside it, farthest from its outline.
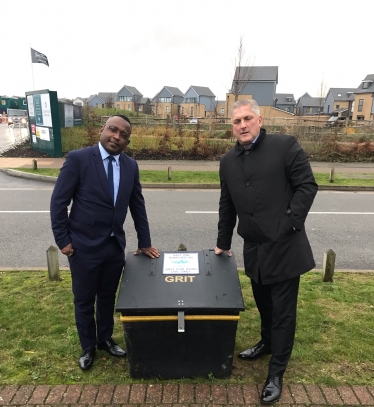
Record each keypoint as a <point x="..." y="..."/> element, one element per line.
<point x="333" y="346"/>
<point x="211" y="177"/>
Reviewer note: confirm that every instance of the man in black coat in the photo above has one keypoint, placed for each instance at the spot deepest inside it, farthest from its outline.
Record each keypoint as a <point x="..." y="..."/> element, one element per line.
<point x="103" y="184"/>
<point x="267" y="182"/>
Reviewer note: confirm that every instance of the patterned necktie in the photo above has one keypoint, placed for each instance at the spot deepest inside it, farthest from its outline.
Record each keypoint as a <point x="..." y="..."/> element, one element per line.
<point x="110" y="176"/>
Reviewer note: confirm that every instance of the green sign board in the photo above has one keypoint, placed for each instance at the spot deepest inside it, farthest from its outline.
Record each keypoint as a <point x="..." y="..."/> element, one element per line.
<point x="44" y="123"/>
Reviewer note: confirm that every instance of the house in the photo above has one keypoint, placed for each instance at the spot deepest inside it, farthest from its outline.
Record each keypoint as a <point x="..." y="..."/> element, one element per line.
<point x="285" y="101"/>
<point x="129" y="98"/>
<point x="221" y="108"/>
<point x="253" y="82"/>
<point x="145" y="105"/>
<point x="259" y="83"/>
<point x="337" y="101"/>
<point x="363" y="104"/>
<point x="199" y="101"/>
<point x="95" y="101"/>
<point x="167" y="102"/>
<point x="108" y="97"/>
<point x="78" y="101"/>
<point x="309" y="106"/>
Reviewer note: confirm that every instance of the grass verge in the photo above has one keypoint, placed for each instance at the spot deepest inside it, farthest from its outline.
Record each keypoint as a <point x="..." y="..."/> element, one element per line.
<point x="212" y="177"/>
<point x="333" y="346"/>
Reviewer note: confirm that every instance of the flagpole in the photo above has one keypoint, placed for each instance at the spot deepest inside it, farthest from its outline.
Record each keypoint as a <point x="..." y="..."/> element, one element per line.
<point x="32" y="72"/>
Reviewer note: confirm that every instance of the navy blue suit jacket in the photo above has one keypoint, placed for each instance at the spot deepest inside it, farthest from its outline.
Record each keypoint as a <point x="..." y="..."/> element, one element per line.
<point x="93" y="215"/>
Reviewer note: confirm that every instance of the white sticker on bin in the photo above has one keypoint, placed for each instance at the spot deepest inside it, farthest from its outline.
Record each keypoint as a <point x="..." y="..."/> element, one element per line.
<point x="181" y="263"/>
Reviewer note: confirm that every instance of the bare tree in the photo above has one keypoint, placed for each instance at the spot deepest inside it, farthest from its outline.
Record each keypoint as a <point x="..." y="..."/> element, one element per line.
<point x="109" y="100"/>
<point x="321" y="97"/>
<point x="137" y="99"/>
<point x="244" y="71"/>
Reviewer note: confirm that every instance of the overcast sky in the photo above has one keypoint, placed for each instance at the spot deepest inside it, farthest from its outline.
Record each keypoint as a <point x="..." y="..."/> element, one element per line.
<point x="99" y="46"/>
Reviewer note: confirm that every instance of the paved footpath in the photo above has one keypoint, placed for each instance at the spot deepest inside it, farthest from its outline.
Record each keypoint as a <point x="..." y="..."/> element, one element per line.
<point x="344" y="168"/>
<point x="174" y="395"/>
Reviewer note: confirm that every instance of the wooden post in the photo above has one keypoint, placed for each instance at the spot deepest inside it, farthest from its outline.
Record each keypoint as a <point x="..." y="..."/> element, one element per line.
<point x="169" y="173"/>
<point x="182" y="248"/>
<point x="53" y="264"/>
<point x="328" y="266"/>
<point x="34" y="164"/>
<point x="332" y="173"/>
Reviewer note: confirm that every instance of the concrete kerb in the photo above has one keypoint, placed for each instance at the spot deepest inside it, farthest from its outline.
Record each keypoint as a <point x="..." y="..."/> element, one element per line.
<point x="159" y="185"/>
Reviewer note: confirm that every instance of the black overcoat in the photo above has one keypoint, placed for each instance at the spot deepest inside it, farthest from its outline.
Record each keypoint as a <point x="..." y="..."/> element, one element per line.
<point x="270" y="189"/>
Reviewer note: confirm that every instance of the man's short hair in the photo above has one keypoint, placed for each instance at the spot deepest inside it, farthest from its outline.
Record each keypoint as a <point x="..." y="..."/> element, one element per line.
<point x="246" y="102"/>
<point x="123" y="117"/>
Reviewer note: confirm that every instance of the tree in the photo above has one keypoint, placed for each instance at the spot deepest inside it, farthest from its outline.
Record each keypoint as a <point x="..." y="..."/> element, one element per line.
<point x="321" y="97"/>
<point x="109" y="100"/>
<point x="137" y="99"/>
<point x="243" y="73"/>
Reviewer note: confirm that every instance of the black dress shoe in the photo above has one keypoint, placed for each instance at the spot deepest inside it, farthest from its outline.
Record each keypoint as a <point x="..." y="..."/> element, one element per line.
<point x="272" y="390"/>
<point x="86" y="359"/>
<point x="257" y="351"/>
<point x="112" y="348"/>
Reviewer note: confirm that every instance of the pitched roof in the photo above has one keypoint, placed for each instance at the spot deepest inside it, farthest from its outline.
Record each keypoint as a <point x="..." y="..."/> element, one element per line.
<point x="202" y="91"/>
<point x="282" y="98"/>
<point x="143" y="101"/>
<point x="313" y="102"/>
<point x="131" y="89"/>
<point x="342" y="94"/>
<point x="174" y="91"/>
<point x="92" y="97"/>
<point x="370" y="89"/>
<point x="305" y="95"/>
<point x="256" y="73"/>
<point x="106" y="96"/>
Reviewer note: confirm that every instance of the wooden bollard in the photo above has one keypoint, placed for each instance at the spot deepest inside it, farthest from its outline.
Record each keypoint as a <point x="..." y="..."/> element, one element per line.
<point x="34" y="164"/>
<point x="328" y="266"/>
<point x="53" y="264"/>
<point x="332" y="173"/>
<point x="169" y="173"/>
<point x="182" y="248"/>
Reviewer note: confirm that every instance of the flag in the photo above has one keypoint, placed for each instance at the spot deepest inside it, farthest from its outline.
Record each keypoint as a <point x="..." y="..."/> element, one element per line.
<point x="38" y="58"/>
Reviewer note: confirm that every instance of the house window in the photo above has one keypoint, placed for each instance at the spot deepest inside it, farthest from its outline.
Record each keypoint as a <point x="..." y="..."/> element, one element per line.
<point x="365" y="85"/>
<point x="307" y="110"/>
<point x="3" y="102"/>
<point x="117" y="106"/>
<point x="191" y="110"/>
<point x="167" y="109"/>
<point x="140" y="108"/>
<point x="360" y="117"/>
<point x="287" y="109"/>
<point x="164" y="100"/>
<point x="360" y="105"/>
<point x="24" y="102"/>
<point x="222" y="110"/>
<point x="337" y="106"/>
<point x="289" y="99"/>
<point x="125" y="98"/>
<point x="190" y="100"/>
<point x="97" y="105"/>
<point x="128" y="107"/>
<point x="339" y="94"/>
<point x="79" y="103"/>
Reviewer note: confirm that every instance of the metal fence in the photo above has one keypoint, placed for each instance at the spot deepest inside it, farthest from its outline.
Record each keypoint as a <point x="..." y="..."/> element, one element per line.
<point x="11" y="136"/>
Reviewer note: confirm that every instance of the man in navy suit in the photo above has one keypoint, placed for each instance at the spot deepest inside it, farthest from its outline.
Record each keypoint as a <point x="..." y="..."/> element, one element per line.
<point x="103" y="183"/>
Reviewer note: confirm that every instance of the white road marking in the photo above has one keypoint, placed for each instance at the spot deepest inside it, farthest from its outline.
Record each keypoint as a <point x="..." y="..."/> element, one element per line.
<point x="24" y="211"/>
<point x="310" y="213"/>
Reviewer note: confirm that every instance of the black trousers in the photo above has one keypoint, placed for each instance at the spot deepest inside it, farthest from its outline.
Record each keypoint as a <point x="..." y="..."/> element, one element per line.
<point x="95" y="278"/>
<point x="277" y="304"/>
